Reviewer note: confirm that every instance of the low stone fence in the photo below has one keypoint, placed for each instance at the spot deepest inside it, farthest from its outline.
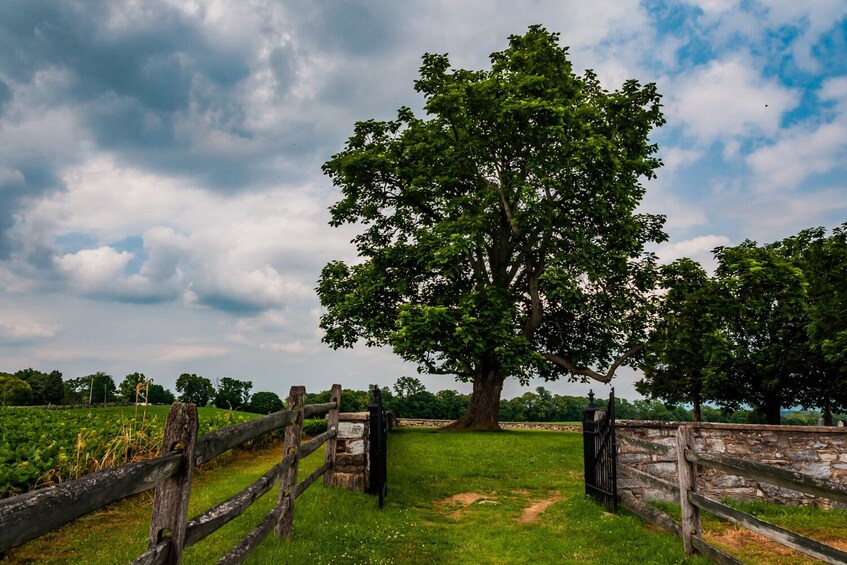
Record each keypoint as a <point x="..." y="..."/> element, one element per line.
<point x="424" y="423"/>
<point x="820" y="452"/>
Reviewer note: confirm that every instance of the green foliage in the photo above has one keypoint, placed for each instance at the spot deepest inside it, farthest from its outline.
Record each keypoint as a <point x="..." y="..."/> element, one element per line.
<point x="129" y="390"/>
<point x="232" y="393"/>
<point x="680" y="345"/>
<point x="194" y="389"/>
<point x="13" y="390"/>
<point x="499" y="235"/>
<point x="314" y="427"/>
<point x="46" y="388"/>
<point x="98" y="388"/>
<point x="44" y="446"/>
<point x="265" y="403"/>
<point x="158" y="394"/>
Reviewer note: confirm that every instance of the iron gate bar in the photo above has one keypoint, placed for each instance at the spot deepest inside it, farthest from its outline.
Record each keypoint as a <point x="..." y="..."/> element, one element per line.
<point x="378" y="479"/>
<point x="600" y="452"/>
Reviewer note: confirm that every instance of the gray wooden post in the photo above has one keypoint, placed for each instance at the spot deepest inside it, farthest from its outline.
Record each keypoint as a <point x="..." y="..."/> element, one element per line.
<point x="296" y="398"/>
<point x="332" y="424"/>
<point x="170" y="505"/>
<point x="687" y="483"/>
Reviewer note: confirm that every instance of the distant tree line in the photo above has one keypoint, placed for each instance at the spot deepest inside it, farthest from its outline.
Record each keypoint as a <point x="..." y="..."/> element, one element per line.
<point x="29" y="387"/>
<point x="408" y="398"/>
<point x="767" y="330"/>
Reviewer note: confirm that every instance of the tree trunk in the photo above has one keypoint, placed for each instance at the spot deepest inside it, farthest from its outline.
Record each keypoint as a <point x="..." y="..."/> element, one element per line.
<point x="698" y="415"/>
<point x="771" y="408"/>
<point x="484" y="409"/>
<point x="827" y="411"/>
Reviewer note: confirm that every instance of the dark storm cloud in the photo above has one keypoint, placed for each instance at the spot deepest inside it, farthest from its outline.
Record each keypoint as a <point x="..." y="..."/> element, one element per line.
<point x="349" y="27"/>
<point x="32" y="177"/>
<point x="135" y="84"/>
<point x="129" y="89"/>
<point x="5" y="95"/>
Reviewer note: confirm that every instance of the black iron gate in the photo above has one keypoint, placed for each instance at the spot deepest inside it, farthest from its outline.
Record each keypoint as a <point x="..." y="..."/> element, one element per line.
<point x="378" y="480"/>
<point x="599" y="448"/>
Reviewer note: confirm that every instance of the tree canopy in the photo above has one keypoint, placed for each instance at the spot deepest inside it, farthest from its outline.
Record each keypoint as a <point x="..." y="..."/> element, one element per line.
<point x="232" y="393"/>
<point x="767" y="330"/>
<point x="678" y="355"/>
<point x="499" y="235"/>
<point x="194" y="389"/>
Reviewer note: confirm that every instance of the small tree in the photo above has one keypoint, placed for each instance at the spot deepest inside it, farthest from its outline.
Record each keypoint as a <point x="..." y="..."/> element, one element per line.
<point x="99" y="388"/>
<point x="14" y="391"/>
<point x="194" y="389"/>
<point x="232" y="393"/>
<point x="264" y="402"/>
<point x="129" y="387"/>
<point x="157" y="394"/>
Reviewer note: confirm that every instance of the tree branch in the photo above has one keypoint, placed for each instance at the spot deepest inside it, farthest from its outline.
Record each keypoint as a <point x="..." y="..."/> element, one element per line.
<point x="432" y="369"/>
<point x="586" y="372"/>
<point x="535" y="315"/>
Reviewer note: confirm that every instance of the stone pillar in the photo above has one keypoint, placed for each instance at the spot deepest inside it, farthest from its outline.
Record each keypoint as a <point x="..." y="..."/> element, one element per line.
<point x="351" y="452"/>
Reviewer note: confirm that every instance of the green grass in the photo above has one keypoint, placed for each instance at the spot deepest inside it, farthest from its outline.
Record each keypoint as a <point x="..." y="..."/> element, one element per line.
<point x="827" y="526"/>
<point x="510" y="470"/>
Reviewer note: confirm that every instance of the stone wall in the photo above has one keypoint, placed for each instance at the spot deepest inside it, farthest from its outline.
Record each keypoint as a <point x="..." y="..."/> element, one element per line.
<point x="424" y="423"/>
<point x="351" y="452"/>
<point x="817" y="451"/>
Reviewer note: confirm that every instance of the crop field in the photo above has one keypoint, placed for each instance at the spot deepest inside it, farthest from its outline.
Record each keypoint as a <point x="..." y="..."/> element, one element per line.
<point x="39" y="447"/>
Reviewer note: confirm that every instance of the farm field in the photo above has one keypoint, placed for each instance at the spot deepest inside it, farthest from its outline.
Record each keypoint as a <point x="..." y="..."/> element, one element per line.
<point x="514" y="497"/>
<point x="40" y="446"/>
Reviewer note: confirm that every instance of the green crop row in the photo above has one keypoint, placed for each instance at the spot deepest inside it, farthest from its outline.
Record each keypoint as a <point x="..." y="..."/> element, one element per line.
<point x="42" y="447"/>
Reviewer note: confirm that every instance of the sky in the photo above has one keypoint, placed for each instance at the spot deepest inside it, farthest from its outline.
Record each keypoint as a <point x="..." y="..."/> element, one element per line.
<point x="162" y="206"/>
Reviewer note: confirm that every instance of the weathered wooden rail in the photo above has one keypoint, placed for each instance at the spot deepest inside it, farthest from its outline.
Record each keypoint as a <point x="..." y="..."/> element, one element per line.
<point x="28" y="516"/>
<point x="691" y="502"/>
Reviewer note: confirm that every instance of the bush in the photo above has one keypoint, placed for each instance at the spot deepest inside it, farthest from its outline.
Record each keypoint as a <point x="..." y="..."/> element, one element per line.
<point x="314" y="427"/>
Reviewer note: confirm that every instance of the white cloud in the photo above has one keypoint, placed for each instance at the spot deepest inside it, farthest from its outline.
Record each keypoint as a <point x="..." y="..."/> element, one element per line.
<point x="189" y="352"/>
<point x="92" y="270"/>
<point x="806" y="149"/>
<point x="698" y="248"/>
<point x="17" y="332"/>
<point x="728" y="98"/>
<point x="288" y="347"/>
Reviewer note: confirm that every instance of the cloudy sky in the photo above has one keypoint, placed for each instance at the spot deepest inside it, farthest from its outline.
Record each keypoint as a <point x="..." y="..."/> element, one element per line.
<point x="162" y="208"/>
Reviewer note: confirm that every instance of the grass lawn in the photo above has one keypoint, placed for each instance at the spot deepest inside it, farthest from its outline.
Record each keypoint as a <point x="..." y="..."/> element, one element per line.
<point x="509" y="497"/>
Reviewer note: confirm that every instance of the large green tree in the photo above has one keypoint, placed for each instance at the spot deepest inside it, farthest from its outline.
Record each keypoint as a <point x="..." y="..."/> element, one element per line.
<point x="498" y="234"/>
<point x="823" y="365"/>
<point x="757" y="356"/>
<point x="680" y="346"/>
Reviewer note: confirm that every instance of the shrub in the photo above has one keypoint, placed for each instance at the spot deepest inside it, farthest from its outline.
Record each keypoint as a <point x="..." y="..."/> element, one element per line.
<point x="314" y="427"/>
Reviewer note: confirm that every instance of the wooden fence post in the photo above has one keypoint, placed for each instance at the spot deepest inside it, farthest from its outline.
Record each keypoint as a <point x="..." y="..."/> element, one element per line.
<point x="332" y="424"/>
<point x="170" y="505"/>
<point x="687" y="483"/>
<point x="296" y="399"/>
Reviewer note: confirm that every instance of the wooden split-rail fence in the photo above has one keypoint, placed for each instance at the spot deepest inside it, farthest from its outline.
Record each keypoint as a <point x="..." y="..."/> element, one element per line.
<point x="30" y="515"/>
<point x="692" y="502"/>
